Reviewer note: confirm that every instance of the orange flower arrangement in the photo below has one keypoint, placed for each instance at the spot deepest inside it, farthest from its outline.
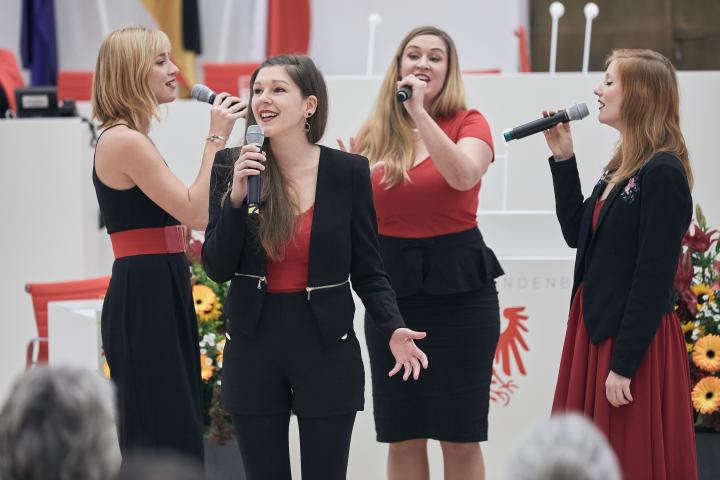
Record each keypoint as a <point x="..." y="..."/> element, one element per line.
<point x="706" y="395"/>
<point x="208" y="297"/>
<point x="697" y="281"/>
<point x="706" y="353"/>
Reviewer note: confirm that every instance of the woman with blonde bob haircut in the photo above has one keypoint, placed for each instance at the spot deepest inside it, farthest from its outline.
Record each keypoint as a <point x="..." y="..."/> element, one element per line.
<point x="428" y="155"/>
<point x="623" y="329"/>
<point x="149" y="305"/>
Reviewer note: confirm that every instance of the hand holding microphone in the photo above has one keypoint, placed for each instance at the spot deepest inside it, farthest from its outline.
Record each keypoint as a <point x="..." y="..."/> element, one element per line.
<point x="411" y="92"/>
<point x="559" y="138"/>
<point x="246" y="172"/>
<point x="225" y="111"/>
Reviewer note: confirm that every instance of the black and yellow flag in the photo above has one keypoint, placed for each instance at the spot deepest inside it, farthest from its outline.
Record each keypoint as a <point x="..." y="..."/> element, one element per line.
<point x="180" y="20"/>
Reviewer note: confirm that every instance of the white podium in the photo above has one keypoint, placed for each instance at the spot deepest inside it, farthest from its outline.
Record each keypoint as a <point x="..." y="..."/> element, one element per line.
<point x="74" y="334"/>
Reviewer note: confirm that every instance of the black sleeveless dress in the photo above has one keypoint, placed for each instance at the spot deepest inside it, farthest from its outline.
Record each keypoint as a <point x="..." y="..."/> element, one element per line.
<point x="150" y="334"/>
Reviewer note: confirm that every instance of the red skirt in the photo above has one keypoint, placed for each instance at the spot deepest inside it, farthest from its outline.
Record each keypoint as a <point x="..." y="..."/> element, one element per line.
<point x="653" y="437"/>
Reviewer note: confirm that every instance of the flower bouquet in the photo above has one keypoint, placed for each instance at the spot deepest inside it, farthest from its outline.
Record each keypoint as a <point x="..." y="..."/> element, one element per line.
<point x="209" y="297"/>
<point x="698" y="285"/>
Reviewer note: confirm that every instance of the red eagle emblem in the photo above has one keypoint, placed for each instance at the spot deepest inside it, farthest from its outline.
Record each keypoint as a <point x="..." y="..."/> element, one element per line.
<point x="508" y="356"/>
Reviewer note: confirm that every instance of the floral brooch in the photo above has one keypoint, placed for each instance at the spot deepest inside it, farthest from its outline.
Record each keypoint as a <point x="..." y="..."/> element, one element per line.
<point x="631" y="190"/>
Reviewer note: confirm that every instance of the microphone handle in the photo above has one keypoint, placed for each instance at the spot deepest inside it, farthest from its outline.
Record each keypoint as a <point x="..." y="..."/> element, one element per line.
<point x="254" y="185"/>
<point x="539" y="125"/>
<point x="253" y="196"/>
<point x="211" y="99"/>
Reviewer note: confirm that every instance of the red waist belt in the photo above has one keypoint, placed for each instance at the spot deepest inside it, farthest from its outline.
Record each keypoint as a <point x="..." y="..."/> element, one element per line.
<point x="147" y="241"/>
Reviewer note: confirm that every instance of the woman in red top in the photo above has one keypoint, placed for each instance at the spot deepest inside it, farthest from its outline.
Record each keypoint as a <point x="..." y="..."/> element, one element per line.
<point x="624" y="363"/>
<point x="428" y="156"/>
<point x="292" y="346"/>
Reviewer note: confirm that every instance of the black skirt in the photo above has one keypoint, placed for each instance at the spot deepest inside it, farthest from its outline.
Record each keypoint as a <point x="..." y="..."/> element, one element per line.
<point x="150" y="338"/>
<point x="450" y="401"/>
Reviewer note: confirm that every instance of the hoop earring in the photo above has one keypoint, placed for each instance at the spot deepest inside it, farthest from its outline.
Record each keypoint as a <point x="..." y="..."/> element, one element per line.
<point x="307" y="126"/>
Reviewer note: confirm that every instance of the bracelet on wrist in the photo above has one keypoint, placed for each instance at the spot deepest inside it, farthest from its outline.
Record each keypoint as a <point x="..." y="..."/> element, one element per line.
<point x="214" y="137"/>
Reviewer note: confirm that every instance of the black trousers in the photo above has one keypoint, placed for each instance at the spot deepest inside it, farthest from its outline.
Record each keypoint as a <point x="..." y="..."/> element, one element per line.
<point x="324" y="446"/>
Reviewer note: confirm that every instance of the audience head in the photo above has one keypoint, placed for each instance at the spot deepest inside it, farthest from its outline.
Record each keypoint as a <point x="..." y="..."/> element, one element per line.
<point x="133" y="75"/>
<point x="565" y="447"/>
<point x="59" y="422"/>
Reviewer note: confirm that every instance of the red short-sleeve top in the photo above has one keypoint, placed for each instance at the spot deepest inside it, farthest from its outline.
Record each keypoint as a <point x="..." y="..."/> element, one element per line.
<point x="427" y="206"/>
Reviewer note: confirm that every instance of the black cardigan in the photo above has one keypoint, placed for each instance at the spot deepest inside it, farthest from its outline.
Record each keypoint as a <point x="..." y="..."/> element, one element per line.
<point x="343" y="243"/>
<point x="628" y="264"/>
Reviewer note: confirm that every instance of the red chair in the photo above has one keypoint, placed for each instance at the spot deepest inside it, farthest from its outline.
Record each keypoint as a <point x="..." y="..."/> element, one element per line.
<point x="42" y="293"/>
<point x="10" y="76"/>
<point x="226" y="77"/>
<point x="74" y="85"/>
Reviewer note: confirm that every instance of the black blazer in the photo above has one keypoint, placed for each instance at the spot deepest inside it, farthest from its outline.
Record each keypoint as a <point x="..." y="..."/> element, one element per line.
<point x="628" y="264"/>
<point x="343" y="245"/>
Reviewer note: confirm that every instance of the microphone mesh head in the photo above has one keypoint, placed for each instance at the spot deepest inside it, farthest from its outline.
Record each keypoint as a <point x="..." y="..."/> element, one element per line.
<point x="201" y="92"/>
<point x="255" y="135"/>
<point x="577" y="111"/>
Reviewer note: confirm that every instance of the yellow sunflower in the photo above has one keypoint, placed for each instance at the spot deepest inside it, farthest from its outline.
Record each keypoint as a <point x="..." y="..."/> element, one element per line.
<point x="206" y="367"/>
<point x="687" y="329"/>
<point x="704" y="294"/>
<point x="706" y="353"/>
<point x="706" y="395"/>
<point x="207" y="304"/>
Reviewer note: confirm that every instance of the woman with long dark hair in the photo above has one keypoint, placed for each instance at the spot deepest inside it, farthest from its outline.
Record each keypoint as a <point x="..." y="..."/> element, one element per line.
<point x="292" y="345"/>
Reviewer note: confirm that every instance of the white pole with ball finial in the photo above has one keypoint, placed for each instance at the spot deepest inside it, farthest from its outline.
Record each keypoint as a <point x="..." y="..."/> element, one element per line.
<point x="373" y="20"/>
<point x="557" y="10"/>
<point x="591" y="11"/>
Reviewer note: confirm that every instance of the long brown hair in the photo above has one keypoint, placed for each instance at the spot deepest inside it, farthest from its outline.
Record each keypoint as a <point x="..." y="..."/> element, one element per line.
<point x="120" y="89"/>
<point x="387" y="135"/>
<point x="649" y="112"/>
<point x="278" y="211"/>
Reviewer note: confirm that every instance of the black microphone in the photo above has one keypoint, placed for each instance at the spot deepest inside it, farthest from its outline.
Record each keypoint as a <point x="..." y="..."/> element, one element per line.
<point x="403" y="94"/>
<point x="573" y="112"/>
<point x="203" y="93"/>
<point x="254" y="136"/>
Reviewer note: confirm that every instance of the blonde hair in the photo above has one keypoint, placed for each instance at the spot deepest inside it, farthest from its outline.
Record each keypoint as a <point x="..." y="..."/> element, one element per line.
<point x="121" y="92"/>
<point x="649" y="112"/>
<point x="387" y="135"/>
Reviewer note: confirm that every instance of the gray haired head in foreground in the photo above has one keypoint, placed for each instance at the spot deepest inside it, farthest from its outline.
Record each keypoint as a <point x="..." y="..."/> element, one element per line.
<point x="59" y="422"/>
<point x="565" y="447"/>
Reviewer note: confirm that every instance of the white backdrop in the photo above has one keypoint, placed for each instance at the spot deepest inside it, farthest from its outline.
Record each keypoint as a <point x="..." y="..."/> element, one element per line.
<point x="483" y="32"/>
<point x="50" y="211"/>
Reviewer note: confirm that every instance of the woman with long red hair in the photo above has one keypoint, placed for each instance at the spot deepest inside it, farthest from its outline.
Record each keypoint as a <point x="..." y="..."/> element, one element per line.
<point x="624" y="363"/>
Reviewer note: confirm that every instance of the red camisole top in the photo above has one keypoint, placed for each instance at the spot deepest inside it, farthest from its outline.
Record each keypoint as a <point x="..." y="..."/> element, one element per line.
<point x="427" y="206"/>
<point x="290" y="273"/>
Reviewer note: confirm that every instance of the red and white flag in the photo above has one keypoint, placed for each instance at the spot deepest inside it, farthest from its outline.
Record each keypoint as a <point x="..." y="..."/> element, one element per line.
<point x="280" y="26"/>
